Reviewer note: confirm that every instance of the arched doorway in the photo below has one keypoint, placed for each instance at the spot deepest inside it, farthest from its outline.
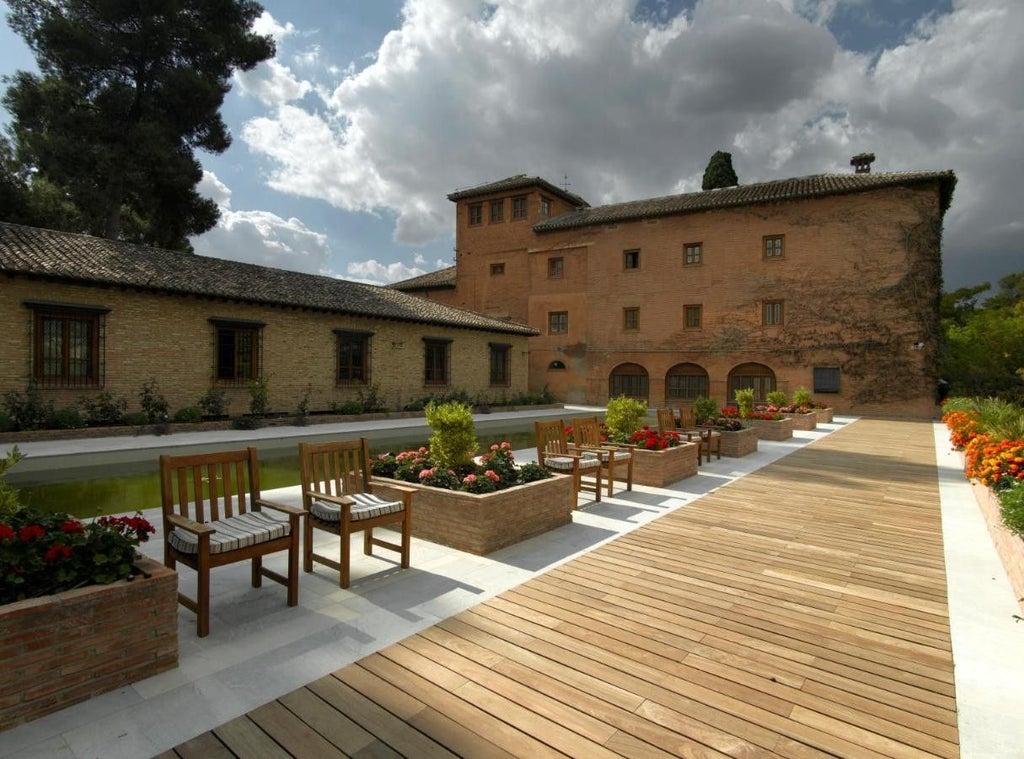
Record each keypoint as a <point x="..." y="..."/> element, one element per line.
<point x="756" y="376"/>
<point x="685" y="383"/>
<point x="630" y="380"/>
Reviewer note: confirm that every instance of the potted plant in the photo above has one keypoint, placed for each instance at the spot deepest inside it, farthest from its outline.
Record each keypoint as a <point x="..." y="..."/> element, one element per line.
<point x="62" y="579"/>
<point x="474" y="504"/>
<point x="737" y="439"/>
<point x="800" y="410"/>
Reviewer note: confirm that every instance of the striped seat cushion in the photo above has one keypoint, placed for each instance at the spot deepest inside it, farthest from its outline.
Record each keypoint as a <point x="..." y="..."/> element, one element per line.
<point x="588" y="460"/>
<point x="367" y="506"/>
<point x="619" y="455"/>
<point x="233" y="532"/>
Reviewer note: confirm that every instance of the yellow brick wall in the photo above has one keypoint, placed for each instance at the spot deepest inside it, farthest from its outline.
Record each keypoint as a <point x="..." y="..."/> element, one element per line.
<point x="170" y="339"/>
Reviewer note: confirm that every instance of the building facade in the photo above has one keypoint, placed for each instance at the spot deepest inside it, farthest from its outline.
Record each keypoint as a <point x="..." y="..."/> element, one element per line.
<point x="828" y="282"/>
<point x="85" y="316"/>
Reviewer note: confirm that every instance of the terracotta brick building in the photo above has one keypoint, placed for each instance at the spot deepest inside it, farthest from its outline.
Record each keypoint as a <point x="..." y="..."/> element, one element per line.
<point x="830" y="282"/>
<point x="84" y="315"/>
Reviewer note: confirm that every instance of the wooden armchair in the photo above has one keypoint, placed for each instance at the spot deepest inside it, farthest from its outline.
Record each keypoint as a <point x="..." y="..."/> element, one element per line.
<point x="338" y="493"/>
<point x="708" y="438"/>
<point x="666" y="420"/>
<point x="553" y="453"/>
<point x="213" y="515"/>
<point x="614" y="457"/>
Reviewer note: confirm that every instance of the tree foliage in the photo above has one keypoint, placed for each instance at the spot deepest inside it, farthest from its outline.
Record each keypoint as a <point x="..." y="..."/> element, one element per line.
<point x="984" y="353"/>
<point x="719" y="172"/>
<point x="104" y="137"/>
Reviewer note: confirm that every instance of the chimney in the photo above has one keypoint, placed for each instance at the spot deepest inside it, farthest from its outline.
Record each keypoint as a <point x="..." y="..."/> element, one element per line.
<point x="861" y="163"/>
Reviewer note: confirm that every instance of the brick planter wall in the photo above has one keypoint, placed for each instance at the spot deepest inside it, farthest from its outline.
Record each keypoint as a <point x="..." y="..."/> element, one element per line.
<point x="824" y="415"/>
<point x="1009" y="546"/>
<point x="804" y="422"/>
<point x="62" y="649"/>
<point x="660" y="468"/>
<point x="484" y="523"/>
<point x="770" y="429"/>
<point x="738" y="443"/>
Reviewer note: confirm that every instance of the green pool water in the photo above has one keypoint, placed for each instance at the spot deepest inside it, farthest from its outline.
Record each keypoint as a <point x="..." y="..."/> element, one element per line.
<point x="114" y="490"/>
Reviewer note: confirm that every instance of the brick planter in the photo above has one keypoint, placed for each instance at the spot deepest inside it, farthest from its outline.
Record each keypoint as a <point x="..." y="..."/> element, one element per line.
<point x="804" y="422"/>
<point x="62" y="649"/>
<point x="484" y="523"/>
<point x="824" y="415"/>
<point x="660" y="468"/>
<point x="738" y="443"/>
<point x="1009" y="546"/>
<point x="770" y="429"/>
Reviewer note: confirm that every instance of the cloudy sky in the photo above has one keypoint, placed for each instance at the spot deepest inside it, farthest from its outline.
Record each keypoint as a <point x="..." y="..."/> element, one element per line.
<point x="346" y="144"/>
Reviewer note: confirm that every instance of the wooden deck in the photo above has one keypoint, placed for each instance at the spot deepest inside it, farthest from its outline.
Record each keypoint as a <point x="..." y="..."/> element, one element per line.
<point x="800" y="611"/>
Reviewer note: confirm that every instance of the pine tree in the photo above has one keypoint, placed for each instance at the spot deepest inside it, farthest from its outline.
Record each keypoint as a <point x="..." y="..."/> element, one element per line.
<point x="123" y="98"/>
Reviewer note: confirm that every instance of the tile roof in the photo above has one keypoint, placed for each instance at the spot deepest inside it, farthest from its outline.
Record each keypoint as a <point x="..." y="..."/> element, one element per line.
<point x="91" y="260"/>
<point x="752" y="194"/>
<point x="441" y="279"/>
<point x="518" y="182"/>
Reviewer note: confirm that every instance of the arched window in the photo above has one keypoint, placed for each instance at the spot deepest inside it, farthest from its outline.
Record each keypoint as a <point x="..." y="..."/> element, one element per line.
<point x="629" y="380"/>
<point x="756" y="376"/>
<point x="686" y="382"/>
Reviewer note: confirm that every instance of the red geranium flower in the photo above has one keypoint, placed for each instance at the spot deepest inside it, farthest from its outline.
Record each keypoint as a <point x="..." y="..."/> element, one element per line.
<point x="31" y="532"/>
<point x="57" y="552"/>
<point x="6" y="533"/>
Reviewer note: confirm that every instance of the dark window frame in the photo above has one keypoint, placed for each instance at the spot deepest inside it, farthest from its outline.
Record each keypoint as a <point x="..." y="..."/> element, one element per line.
<point x="773" y="313"/>
<point x="226" y="337"/>
<point x="68" y="344"/>
<point x="827" y="379"/>
<point x="773" y="247"/>
<point x="497" y="211"/>
<point x="497" y="269"/>
<point x="693" y="254"/>
<point x="635" y="383"/>
<point x="556" y="267"/>
<point x="558" y="322"/>
<point x="687" y="385"/>
<point x="545" y="206"/>
<point x="631" y="259"/>
<point x="476" y="214"/>
<point x="500" y="356"/>
<point x="348" y="370"/>
<point x="688" y="310"/>
<point x="631" y="318"/>
<point x="520" y="207"/>
<point x="437" y="364"/>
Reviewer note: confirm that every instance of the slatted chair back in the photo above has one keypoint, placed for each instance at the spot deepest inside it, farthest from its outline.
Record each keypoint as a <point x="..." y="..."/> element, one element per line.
<point x="687" y="417"/>
<point x="587" y="431"/>
<point x="336" y="469"/>
<point x="550" y="438"/>
<point x="666" y="420"/>
<point x="208" y="487"/>
<point x="337" y="491"/>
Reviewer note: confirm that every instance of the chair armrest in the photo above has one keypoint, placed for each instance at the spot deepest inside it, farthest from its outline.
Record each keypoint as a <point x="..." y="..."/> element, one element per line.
<point x="340" y="500"/>
<point x="281" y="507"/>
<point x="567" y="455"/>
<point x="190" y="525"/>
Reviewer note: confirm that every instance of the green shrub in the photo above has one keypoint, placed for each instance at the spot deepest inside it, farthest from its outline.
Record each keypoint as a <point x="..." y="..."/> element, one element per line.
<point x="704" y="409"/>
<point x="189" y="415"/>
<point x="370" y="400"/>
<point x="214" y="402"/>
<point x="745" y="401"/>
<point x="69" y="418"/>
<point x="8" y="495"/>
<point x="28" y="412"/>
<point x="135" y="419"/>
<point x="246" y="422"/>
<point x="802" y="397"/>
<point x="1011" y="507"/>
<point x="153" y="405"/>
<point x="453" y="442"/>
<point x="625" y="415"/>
<point x="259" y="397"/>
<point x="777" y="398"/>
<point x="347" y="407"/>
<point x="6" y="423"/>
<point x="104" y="410"/>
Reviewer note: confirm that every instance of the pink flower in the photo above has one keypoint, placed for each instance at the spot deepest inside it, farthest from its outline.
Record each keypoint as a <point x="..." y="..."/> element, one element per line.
<point x="494" y="447"/>
<point x="469" y="478"/>
<point x="427" y="472"/>
<point x="492" y="475"/>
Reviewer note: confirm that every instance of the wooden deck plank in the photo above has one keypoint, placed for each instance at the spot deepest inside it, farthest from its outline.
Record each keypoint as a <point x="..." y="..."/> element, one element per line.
<point x="799" y="612"/>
